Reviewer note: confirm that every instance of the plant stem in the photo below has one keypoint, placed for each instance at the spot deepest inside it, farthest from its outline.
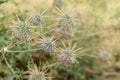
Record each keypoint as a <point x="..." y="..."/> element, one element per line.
<point x="24" y="51"/>
<point x="9" y="67"/>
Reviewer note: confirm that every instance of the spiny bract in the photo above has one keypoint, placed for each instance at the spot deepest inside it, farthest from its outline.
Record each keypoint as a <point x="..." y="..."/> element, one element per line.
<point x="22" y="32"/>
<point x="37" y="73"/>
<point x="68" y="54"/>
<point x="48" y="45"/>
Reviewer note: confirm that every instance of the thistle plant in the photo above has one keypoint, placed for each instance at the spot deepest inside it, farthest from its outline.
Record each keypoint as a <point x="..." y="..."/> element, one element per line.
<point x="68" y="55"/>
<point x="28" y="43"/>
<point x="65" y="21"/>
<point x="48" y="45"/>
<point x="37" y="73"/>
<point x="38" y="19"/>
<point x="22" y="32"/>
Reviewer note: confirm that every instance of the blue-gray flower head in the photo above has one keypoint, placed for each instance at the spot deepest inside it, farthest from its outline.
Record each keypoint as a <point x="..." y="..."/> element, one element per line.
<point x="68" y="55"/>
<point x="37" y="19"/>
<point x="37" y="73"/>
<point x="48" y="45"/>
<point x="23" y="32"/>
<point x="65" y="21"/>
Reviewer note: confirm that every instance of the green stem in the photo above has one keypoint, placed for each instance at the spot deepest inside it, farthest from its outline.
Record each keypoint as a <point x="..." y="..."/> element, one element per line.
<point x="24" y="51"/>
<point x="9" y="67"/>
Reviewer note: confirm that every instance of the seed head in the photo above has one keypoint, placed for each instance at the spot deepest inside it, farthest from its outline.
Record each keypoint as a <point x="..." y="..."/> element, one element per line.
<point x="48" y="45"/>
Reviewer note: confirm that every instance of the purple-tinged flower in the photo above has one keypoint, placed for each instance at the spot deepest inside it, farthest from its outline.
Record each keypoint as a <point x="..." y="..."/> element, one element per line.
<point x="67" y="59"/>
<point x="37" y="73"/>
<point x="65" y="21"/>
<point x="48" y="45"/>
<point x="68" y="55"/>
<point x="37" y="19"/>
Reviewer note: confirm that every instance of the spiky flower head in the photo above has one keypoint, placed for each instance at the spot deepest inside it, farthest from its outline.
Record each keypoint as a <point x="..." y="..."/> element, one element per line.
<point x="37" y="19"/>
<point x="22" y="32"/>
<point x="37" y="73"/>
<point x="65" y="21"/>
<point x="68" y="54"/>
<point x="66" y="26"/>
<point x="48" y="45"/>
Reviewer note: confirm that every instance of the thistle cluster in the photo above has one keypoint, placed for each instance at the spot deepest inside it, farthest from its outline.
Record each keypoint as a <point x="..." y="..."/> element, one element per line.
<point x="24" y="33"/>
<point x="66" y="54"/>
<point x="54" y="39"/>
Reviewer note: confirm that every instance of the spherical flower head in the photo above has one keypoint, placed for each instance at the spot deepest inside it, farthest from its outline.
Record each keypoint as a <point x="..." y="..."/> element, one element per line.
<point x="67" y="58"/>
<point x="37" y="73"/>
<point x="65" y="21"/>
<point x="22" y="32"/>
<point x="68" y="55"/>
<point x="37" y="19"/>
<point x="48" y="45"/>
